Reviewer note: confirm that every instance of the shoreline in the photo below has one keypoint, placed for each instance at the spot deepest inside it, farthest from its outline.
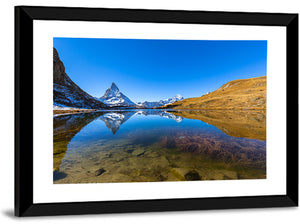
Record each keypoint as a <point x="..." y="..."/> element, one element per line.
<point x="61" y="112"/>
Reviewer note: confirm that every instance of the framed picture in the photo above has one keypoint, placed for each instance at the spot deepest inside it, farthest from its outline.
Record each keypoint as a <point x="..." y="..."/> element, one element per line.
<point x="121" y="110"/>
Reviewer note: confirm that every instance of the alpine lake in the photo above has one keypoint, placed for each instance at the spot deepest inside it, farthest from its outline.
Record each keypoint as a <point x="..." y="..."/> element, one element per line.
<point x="159" y="145"/>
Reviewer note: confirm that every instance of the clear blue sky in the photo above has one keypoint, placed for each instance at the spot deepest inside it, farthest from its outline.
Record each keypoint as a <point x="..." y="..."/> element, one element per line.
<point x="157" y="69"/>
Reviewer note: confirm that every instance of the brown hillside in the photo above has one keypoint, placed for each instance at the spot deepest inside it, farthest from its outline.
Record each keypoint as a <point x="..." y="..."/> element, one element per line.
<point x="237" y="94"/>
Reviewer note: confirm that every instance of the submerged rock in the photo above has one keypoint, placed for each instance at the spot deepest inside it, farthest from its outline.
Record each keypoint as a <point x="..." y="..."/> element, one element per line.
<point x="192" y="175"/>
<point x="151" y="154"/>
<point x="58" y="175"/>
<point x="99" y="172"/>
<point x="138" y="152"/>
<point x="129" y="150"/>
<point x="185" y="174"/>
<point x="179" y="173"/>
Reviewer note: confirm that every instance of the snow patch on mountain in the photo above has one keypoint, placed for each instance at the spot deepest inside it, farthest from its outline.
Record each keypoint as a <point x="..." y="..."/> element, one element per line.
<point x="160" y="103"/>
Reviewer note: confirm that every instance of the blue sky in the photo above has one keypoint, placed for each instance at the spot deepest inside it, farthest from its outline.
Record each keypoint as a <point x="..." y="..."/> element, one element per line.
<point x="151" y="70"/>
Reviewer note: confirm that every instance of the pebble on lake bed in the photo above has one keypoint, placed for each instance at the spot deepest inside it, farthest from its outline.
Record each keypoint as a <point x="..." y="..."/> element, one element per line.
<point x="99" y="172"/>
<point x="138" y="152"/>
<point x="192" y="175"/>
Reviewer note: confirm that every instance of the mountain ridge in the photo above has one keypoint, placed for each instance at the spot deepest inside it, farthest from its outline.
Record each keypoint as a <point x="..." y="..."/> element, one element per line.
<point x="66" y="92"/>
<point x="115" y="98"/>
<point x="156" y="104"/>
<point x="237" y="94"/>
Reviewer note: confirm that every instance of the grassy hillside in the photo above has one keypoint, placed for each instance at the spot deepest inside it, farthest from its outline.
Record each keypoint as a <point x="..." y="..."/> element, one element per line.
<point x="238" y="94"/>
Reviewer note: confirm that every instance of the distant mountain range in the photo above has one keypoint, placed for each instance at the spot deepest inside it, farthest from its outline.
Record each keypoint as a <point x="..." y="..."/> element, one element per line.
<point x="160" y="103"/>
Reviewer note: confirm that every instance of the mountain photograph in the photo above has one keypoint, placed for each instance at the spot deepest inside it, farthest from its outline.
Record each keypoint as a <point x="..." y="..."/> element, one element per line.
<point x="152" y="110"/>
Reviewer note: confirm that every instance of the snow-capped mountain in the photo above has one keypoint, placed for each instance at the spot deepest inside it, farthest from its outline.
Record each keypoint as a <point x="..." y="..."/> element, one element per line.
<point x="66" y="93"/>
<point x="113" y="97"/>
<point x="160" y="103"/>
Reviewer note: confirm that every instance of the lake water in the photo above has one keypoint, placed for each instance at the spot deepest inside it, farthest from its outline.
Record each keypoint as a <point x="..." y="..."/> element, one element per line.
<point x="156" y="145"/>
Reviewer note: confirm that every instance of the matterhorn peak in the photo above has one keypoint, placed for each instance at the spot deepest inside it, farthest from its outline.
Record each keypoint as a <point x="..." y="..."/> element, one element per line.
<point x="113" y="97"/>
<point x="114" y="86"/>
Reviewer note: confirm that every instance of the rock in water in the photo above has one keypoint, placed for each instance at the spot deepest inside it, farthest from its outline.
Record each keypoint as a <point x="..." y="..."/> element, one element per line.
<point x="192" y="175"/>
<point x="138" y="152"/>
<point x="99" y="172"/>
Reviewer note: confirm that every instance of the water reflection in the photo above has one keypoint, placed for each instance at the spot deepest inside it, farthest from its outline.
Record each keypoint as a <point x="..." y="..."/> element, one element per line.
<point x="113" y="120"/>
<point x="241" y="124"/>
<point x="200" y="145"/>
<point x="64" y="129"/>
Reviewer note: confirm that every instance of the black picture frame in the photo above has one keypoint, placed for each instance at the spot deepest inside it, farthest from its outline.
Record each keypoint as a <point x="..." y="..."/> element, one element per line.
<point x="24" y="17"/>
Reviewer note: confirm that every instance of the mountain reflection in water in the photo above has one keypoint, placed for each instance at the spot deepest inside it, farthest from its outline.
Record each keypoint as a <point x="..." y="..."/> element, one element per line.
<point x="199" y="145"/>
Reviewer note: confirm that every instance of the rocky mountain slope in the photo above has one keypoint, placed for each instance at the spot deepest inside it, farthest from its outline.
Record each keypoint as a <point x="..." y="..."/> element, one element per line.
<point x="238" y="94"/>
<point x="66" y="92"/>
<point x="113" y="97"/>
<point x="160" y="103"/>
